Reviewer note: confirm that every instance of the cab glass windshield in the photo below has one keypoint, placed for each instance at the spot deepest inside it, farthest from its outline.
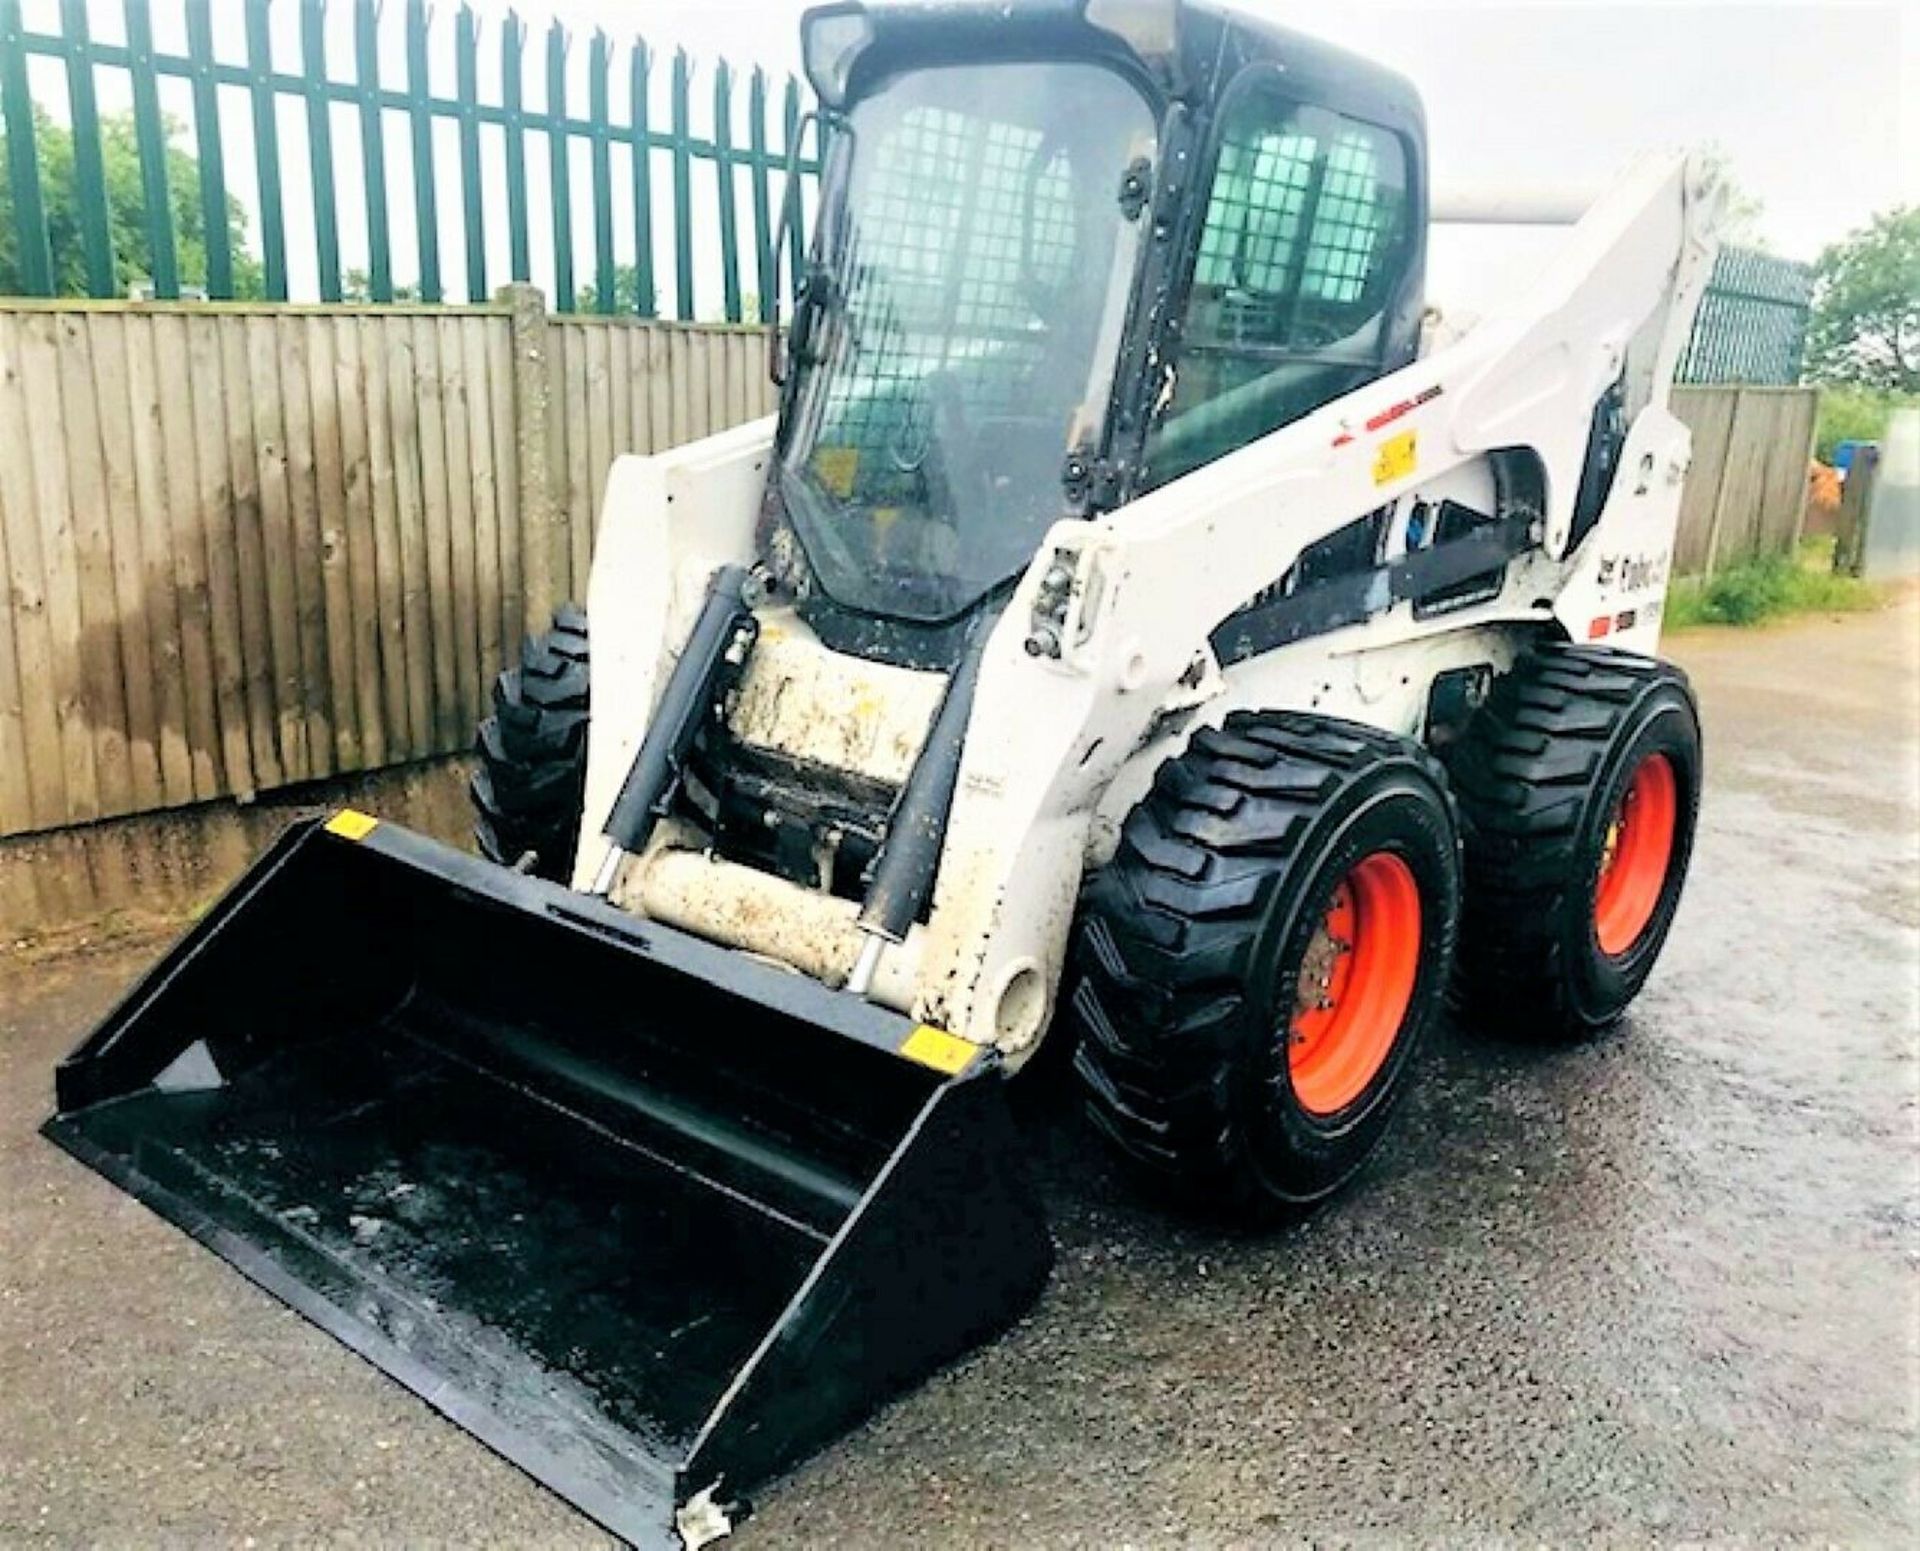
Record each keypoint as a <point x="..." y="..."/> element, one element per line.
<point x="977" y="256"/>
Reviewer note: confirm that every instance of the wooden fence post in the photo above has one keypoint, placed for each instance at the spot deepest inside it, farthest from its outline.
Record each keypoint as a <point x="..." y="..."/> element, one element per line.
<point x="540" y="516"/>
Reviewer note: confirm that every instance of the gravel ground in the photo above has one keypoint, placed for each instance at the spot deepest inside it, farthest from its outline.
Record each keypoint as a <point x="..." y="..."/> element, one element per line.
<point x="1659" y="1288"/>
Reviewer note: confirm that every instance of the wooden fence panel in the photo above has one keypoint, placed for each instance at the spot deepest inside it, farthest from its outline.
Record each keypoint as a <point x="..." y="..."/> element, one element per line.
<point x="352" y="540"/>
<point x="206" y="565"/>
<point x="403" y="407"/>
<point x="459" y="485"/>
<point x="107" y="347"/>
<point x="59" y="550"/>
<point x="229" y="389"/>
<point x="35" y="650"/>
<point x="328" y="463"/>
<point x="17" y="807"/>
<point x="488" y="600"/>
<point x="77" y="457"/>
<point x="147" y="437"/>
<point x="274" y="544"/>
<point x="1746" y="490"/>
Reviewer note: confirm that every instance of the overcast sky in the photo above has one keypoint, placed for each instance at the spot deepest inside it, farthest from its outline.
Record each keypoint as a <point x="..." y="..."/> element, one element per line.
<point x="1806" y="99"/>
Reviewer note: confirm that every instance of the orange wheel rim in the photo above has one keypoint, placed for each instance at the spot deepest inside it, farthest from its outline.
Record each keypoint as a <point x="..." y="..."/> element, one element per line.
<point x="1355" y="985"/>
<point x="1637" y="854"/>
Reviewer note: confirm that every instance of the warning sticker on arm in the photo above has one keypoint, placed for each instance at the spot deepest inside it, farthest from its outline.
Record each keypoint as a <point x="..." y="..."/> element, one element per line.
<point x="1395" y="458"/>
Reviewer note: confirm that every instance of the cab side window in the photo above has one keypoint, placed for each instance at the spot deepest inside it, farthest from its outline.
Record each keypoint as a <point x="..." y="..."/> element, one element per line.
<point x="1305" y="238"/>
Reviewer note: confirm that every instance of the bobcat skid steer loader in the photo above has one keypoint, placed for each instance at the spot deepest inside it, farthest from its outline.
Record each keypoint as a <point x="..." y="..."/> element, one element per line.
<point x="1127" y="634"/>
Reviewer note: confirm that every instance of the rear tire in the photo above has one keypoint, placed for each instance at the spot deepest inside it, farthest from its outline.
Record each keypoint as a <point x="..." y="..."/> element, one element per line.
<point x="1579" y="788"/>
<point x="529" y="788"/>
<point x="1228" y="1042"/>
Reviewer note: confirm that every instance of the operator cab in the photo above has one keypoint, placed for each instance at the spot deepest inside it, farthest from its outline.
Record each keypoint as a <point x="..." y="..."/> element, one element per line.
<point x="1064" y="253"/>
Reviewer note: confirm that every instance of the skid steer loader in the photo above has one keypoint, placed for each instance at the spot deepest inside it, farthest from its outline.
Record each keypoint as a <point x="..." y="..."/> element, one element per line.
<point x="1130" y="627"/>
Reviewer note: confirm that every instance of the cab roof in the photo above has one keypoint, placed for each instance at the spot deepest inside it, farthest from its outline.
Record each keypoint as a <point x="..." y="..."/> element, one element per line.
<point x="1184" y="50"/>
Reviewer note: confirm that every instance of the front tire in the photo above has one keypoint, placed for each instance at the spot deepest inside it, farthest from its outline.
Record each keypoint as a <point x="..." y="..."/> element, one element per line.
<point x="1260" y="960"/>
<point x="1579" y="790"/>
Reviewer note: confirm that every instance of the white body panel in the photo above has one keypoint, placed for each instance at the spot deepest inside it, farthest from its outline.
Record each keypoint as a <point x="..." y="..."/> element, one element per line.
<point x="1058" y="750"/>
<point x="666" y="524"/>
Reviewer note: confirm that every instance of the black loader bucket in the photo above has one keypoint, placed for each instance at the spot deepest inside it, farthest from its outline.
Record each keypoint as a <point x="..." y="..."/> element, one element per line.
<point x="651" y="1218"/>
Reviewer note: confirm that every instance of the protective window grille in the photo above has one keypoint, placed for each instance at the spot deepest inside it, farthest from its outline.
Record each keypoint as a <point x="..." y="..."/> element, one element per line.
<point x="959" y="237"/>
<point x="1297" y="253"/>
<point x="1253" y="216"/>
<point x="1346" y="224"/>
<point x="1293" y="217"/>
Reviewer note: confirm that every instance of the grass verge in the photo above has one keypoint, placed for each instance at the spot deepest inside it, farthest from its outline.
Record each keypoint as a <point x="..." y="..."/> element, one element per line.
<point x="1769" y="588"/>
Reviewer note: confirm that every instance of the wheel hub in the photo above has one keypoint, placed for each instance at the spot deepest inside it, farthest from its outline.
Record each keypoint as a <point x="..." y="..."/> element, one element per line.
<point x="1636" y="855"/>
<point x="1355" y="984"/>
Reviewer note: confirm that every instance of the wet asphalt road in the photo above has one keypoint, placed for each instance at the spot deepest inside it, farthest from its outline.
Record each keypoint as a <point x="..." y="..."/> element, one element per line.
<point x="1659" y="1288"/>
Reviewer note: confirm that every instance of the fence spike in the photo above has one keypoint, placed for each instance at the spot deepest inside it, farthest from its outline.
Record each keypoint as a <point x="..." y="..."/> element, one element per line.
<point x="599" y="57"/>
<point x="723" y="179"/>
<point x="89" y="169"/>
<point x="766" y="273"/>
<point x="326" y="200"/>
<point x="642" y="146"/>
<point x="560" y="183"/>
<point x="466" y="48"/>
<point x="150" y="132"/>
<point x="513" y="41"/>
<point x="682" y="138"/>
<point x="373" y="149"/>
<point x="426" y="210"/>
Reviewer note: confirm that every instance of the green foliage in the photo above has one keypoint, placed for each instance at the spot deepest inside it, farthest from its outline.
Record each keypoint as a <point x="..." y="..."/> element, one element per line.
<point x="127" y="224"/>
<point x="356" y="285"/>
<point x="1865" y="330"/>
<point x="626" y="291"/>
<point x="1854" y="415"/>
<point x="626" y="298"/>
<point x="1769" y="588"/>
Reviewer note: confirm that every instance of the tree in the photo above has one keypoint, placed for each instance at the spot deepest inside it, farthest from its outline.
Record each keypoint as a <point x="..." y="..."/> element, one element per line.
<point x="1865" y="329"/>
<point x="127" y="225"/>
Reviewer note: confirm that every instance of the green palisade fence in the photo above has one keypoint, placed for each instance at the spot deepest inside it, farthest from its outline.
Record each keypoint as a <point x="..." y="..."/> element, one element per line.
<point x="393" y="98"/>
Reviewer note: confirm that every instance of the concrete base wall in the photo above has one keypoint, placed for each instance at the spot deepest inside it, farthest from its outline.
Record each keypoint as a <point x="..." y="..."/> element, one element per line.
<point x="155" y="867"/>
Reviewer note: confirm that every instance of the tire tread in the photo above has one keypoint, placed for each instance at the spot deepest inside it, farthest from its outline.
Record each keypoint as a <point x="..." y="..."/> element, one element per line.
<point x="1523" y="776"/>
<point x="1169" y="927"/>
<point x="528" y="787"/>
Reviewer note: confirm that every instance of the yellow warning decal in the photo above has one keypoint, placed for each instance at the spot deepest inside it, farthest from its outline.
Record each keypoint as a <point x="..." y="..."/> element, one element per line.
<point x="351" y="824"/>
<point x="1395" y="458"/>
<point x="938" y="1049"/>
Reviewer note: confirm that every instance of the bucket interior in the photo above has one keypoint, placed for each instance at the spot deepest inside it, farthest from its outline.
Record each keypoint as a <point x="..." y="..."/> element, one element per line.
<point x="567" y="1177"/>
